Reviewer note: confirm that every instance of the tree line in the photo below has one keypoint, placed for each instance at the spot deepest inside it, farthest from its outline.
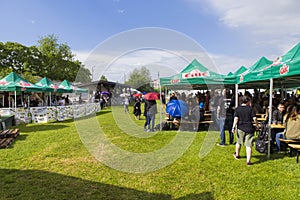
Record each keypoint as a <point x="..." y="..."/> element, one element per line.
<point x="48" y="58"/>
<point x="55" y="60"/>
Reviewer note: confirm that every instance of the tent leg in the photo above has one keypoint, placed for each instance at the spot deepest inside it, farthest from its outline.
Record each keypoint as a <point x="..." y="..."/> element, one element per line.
<point x="270" y="117"/>
<point x="15" y="102"/>
<point x="236" y="95"/>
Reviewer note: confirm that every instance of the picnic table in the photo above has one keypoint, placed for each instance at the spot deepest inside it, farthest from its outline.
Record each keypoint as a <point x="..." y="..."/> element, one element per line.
<point x="297" y="148"/>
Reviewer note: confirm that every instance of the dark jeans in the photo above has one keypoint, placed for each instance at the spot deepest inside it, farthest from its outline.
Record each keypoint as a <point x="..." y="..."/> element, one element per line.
<point x="229" y="123"/>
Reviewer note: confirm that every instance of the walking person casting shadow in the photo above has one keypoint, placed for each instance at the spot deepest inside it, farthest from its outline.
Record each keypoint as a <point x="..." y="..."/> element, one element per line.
<point x="151" y="110"/>
<point x="244" y="116"/>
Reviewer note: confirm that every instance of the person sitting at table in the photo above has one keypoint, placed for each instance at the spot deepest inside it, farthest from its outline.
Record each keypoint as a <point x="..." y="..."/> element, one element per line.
<point x="291" y="124"/>
<point x="61" y="101"/>
<point x="277" y="118"/>
<point x="277" y="115"/>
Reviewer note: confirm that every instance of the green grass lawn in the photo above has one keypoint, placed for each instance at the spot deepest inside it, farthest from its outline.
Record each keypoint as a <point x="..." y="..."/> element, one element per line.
<point x="49" y="161"/>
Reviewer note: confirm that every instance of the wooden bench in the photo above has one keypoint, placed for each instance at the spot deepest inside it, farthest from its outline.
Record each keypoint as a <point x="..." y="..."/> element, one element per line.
<point x="291" y="143"/>
<point x="7" y="137"/>
<point x="206" y="124"/>
<point x="297" y="148"/>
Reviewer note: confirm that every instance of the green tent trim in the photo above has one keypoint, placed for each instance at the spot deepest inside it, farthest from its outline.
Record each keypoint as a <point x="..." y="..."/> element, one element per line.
<point x="196" y="76"/>
<point x="14" y="82"/>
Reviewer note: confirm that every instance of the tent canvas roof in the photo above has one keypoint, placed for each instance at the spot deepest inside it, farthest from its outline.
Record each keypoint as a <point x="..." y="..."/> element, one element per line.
<point x="67" y="87"/>
<point x="13" y="82"/>
<point x="259" y="71"/>
<point x="285" y="71"/>
<point x="48" y="85"/>
<point x="287" y="68"/>
<point x="195" y="75"/>
<point x="241" y="70"/>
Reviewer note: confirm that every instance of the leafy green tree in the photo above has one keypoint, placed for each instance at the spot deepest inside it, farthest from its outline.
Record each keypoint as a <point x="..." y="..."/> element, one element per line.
<point x="140" y="79"/>
<point x="20" y="59"/>
<point x="103" y="78"/>
<point x="48" y="59"/>
<point x="59" y="62"/>
<point x="83" y="75"/>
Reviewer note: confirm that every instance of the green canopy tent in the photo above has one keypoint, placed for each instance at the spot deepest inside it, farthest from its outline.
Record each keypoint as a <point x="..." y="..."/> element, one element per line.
<point x="67" y="87"/>
<point x="80" y="90"/>
<point x="241" y="70"/>
<point x="257" y="72"/>
<point x="283" y="72"/>
<point x="230" y="74"/>
<point x="286" y="69"/>
<point x="48" y="86"/>
<point x="196" y="76"/>
<point x="232" y="77"/>
<point x="13" y="82"/>
<point x="237" y="72"/>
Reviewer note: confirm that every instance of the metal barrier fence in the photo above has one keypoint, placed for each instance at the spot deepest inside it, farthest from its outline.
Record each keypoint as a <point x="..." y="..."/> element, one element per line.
<point x="50" y="113"/>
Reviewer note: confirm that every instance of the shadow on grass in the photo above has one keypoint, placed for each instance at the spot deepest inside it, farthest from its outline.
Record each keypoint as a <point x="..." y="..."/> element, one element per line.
<point x="35" y="184"/>
<point x="70" y="120"/>
<point x="40" y="127"/>
<point x="273" y="156"/>
<point x="55" y="125"/>
<point x="102" y="112"/>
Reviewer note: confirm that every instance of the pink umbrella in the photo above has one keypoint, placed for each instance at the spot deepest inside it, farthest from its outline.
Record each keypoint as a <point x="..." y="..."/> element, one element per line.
<point x="151" y="96"/>
<point x="137" y="95"/>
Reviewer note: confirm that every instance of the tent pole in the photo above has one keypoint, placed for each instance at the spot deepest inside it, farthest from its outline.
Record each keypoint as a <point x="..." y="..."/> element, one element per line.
<point x="160" y="107"/>
<point x="15" y="103"/>
<point x="282" y="93"/>
<point x="236" y="95"/>
<point x="270" y="116"/>
<point x="160" y="120"/>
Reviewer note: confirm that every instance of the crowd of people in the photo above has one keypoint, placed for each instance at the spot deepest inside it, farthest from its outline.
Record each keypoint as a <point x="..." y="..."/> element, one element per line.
<point x="240" y="122"/>
<point x="39" y="99"/>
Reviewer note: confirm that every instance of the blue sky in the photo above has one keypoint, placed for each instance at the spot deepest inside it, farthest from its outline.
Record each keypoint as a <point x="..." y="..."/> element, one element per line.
<point x="233" y="33"/>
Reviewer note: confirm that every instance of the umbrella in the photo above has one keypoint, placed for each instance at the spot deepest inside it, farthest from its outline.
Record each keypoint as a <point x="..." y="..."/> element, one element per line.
<point x="137" y="95"/>
<point x="105" y="92"/>
<point x="151" y="96"/>
<point x="124" y="95"/>
<point x="177" y="108"/>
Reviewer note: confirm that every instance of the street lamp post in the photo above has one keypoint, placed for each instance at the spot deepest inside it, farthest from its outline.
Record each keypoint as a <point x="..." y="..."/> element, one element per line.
<point x="93" y="72"/>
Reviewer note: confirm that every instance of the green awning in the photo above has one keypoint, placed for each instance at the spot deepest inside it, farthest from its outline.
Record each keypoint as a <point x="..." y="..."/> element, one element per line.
<point x="196" y="75"/>
<point x="13" y="82"/>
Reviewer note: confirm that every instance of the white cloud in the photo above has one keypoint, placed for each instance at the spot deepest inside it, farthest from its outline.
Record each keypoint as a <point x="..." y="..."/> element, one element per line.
<point x="271" y="26"/>
<point x="274" y="21"/>
<point x="121" y="11"/>
<point x="265" y="17"/>
<point x="115" y="68"/>
<point x="226" y="64"/>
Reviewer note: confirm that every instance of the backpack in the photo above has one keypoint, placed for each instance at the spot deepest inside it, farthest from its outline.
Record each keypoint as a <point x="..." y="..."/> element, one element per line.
<point x="163" y="125"/>
<point x="262" y="139"/>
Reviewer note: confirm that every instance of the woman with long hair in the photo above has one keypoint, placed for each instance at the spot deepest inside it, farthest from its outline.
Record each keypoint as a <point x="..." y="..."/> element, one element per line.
<point x="291" y="123"/>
